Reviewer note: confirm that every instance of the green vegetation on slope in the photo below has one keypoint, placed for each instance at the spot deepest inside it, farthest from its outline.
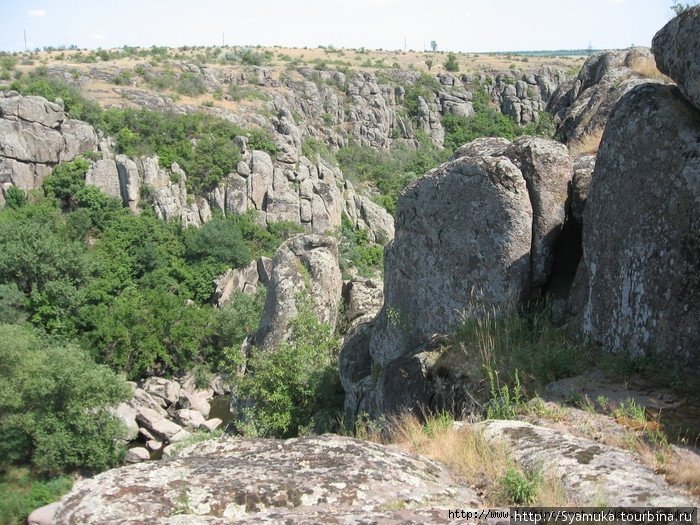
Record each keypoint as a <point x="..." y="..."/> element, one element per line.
<point x="389" y="171"/>
<point x="201" y="144"/>
<point x="488" y="121"/>
<point x="133" y="289"/>
<point x="295" y="389"/>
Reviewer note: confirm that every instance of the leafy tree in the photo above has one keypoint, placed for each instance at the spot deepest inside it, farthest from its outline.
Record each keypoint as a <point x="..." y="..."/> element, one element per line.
<point x="451" y="64"/>
<point x="219" y="239"/>
<point x="296" y="387"/>
<point x="149" y="333"/>
<point x="433" y="45"/>
<point x="54" y="405"/>
<point x="66" y="180"/>
<point x="429" y="63"/>
<point x="15" y="198"/>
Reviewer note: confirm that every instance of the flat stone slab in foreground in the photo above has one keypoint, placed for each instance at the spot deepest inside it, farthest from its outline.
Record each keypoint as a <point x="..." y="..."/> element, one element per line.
<point x="322" y="479"/>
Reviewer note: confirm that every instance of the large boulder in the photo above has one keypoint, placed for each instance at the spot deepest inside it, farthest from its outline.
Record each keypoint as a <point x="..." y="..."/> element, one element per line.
<point x="638" y="282"/>
<point x="324" y="479"/>
<point x="676" y="48"/>
<point x="463" y="238"/>
<point x="547" y="169"/>
<point x="303" y="265"/>
<point x="476" y="234"/>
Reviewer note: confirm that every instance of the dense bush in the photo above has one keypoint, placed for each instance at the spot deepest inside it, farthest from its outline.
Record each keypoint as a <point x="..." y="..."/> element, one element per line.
<point x="66" y="181"/>
<point x="389" y="171"/>
<point x="451" y="63"/>
<point x="296" y="388"/>
<point x="137" y="297"/>
<point x="488" y="121"/>
<point x="53" y="405"/>
<point x="21" y="493"/>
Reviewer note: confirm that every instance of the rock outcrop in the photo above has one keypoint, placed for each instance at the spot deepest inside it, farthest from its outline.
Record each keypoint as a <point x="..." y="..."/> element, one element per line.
<point x="305" y="266"/>
<point x="677" y="55"/>
<point x="325" y="479"/>
<point x="473" y="235"/>
<point x="637" y="285"/>
<point x="582" y="106"/>
<point x="244" y="280"/>
<point x="445" y="260"/>
<point x="37" y="135"/>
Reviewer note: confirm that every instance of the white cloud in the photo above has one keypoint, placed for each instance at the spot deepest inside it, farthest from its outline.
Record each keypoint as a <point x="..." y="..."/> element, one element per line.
<point x="99" y="36"/>
<point x="37" y="12"/>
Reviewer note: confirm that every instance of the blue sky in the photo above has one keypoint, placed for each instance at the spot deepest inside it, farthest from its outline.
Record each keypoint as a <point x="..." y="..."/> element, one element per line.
<point x="466" y="25"/>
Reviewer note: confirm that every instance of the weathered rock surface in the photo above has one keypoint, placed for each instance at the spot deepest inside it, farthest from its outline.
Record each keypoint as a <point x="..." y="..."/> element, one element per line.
<point x="591" y="473"/>
<point x="637" y="285"/>
<point x="234" y="280"/>
<point x="44" y="515"/>
<point x="580" y="184"/>
<point x="445" y="259"/>
<point x="363" y="298"/>
<point x="326" y="479"/>
<point x="304" y="264"/>
<point x="137" y="455"/>
<point x="157" y="424"/>
<point x="165" y="389"/>
<point x="583" y="106"/>
<point x="547" y="169"/>
<point x="676" y="48"/>
<point x="37" y="135"/>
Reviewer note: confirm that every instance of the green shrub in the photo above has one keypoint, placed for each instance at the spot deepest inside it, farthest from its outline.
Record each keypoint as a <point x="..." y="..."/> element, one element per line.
<point x="451" y="64"/>
<point x="520" y="487"/>
<point x="191" y="84"/>
<point x="504" y="403"/>
<point x="15" y="197"/>
<point x="53" y="405"/>
<point x="424" y="87"/>
<point x="296" y="387"/>
<point x="219" y="239"/>
<point x="66" y="181"/>
<point x="21" y="493"/>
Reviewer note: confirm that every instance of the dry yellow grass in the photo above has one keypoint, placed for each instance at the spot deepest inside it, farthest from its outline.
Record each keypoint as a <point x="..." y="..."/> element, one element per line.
<point x="684" y="474"/>
<point x="646" y="68"/>
<point x="469" y="456"/>
<point x="587" y="144"/>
